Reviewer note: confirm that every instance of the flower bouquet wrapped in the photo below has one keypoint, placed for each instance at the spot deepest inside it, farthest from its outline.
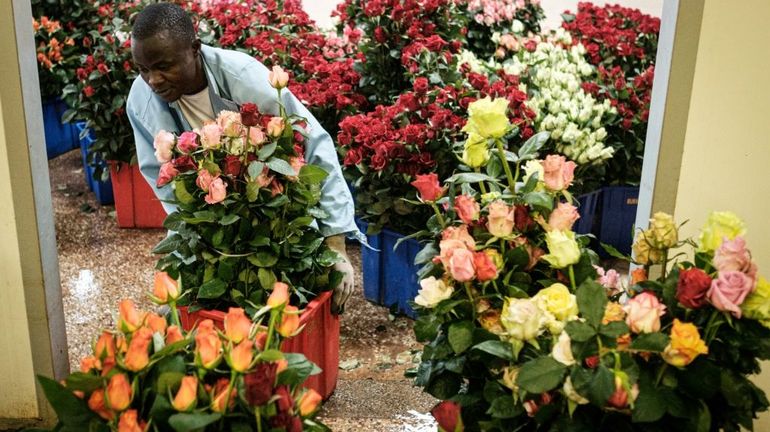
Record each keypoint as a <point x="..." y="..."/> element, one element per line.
<point x="246" y="209"/>
<point x="522" y="332"/>
<point x="149" y="375"/>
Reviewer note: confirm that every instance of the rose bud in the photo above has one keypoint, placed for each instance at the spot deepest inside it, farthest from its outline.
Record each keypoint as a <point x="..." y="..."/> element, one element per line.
<point x="156" y="323"/>
<point x="219" y="396"/>
<point x="208" y="347"/>
<point x="137" y="357"/>
<point x="249" y="114"/>
<point x="309" y="402"/>
<point x="119" y="393"/>
<point x="278" y="77"/>
<point x="448" y="417"/>
<point x="129" y="422"/>
<point x="241" y="355"/>
<point x="96" y="404"/>
<point x="165" y="288"/>
<point x="279" y="296"/>
<point x="428" y="187"/>
<point x="289" y="321"/>
<point x="187" y="394"/>
<point x="275" y="127"/>
<point x="105" y="346"/>
<point x="237" y="325"/>
<point x="173" y="335"/>
<point x="129" y="318"/>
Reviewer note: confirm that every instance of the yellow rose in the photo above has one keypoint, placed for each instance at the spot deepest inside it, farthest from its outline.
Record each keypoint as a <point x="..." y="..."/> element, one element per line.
<point x="718" y="226"/>
<point x="521" y="319"/>
<point x="558" y="301"/>
<point x="663" y="230"/>
<point x="563" y="249"/>
<point x="488" y="118"/>
<point x="685" y="345"/>
<point x="476" y="153"/>
<point x="644" y="252"/>
<point x="509" y="378"/>
<point x="757" y="304"/>
<point x="613" y="312"/>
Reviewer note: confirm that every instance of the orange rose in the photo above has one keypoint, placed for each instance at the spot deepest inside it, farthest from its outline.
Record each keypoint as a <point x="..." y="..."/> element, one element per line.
<point x="89" y="363"/>
<point x="119" y="392"/>
<point x="208" y="346"/>
<point x="219" y="396"/>
<point x="638" y="275"/>
<point x="165" y="289"/>
<point x="237" y="325"/>
<point x="187" y="394"/>
<point x="173" y="334"/>
<point x="129" y="318"/>
<point x="105" y="346"/>
<point x="156" y="322"/>
<point x="137" y="357"/>
<point x="281" y="365"/>
<point x="685" y="345"/>
<point x="129" y="422"/>
<point x="96" y="404"/>
<point x="241" y="356"/>
<point x="279" y="296"/>
<point x="289" y="321"/>
<point x="309" y="402"/>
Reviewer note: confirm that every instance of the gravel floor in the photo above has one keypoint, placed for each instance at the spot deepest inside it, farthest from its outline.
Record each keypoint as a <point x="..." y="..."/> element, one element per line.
<point x="101" y="264"/>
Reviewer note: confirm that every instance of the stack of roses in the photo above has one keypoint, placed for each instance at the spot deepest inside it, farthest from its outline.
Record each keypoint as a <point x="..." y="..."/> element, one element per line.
<point x="56" y="53"/>
<point x="321" y="67"/>
<point x="486" y="17"/>
<point x="522" y="329"/>
<point x="150" y="375"/>
<point x="385" y="149"/>
<point x="246" y="207"/>
<point x="395" y="33"/>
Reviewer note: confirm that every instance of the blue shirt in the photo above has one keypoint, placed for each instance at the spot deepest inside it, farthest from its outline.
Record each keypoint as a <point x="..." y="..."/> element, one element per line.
<point x="235" y="78"/>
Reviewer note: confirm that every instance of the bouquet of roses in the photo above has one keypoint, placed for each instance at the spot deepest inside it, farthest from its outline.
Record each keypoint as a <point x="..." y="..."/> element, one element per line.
<point x="149" y="375"/>
<point x="487" y="17"/>
<point x="246" y="208"/>
<point x="522" y="331"/>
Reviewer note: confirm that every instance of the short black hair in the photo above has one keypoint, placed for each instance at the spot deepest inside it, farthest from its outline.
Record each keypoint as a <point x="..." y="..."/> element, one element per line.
<point x="163" y="17"/>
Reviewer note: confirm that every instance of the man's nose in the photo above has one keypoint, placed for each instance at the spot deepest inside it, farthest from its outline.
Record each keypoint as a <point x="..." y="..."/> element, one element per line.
<point x="155" y="79"/>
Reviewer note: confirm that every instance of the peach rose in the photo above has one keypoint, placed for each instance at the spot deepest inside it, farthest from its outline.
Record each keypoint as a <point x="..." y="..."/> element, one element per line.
<point x="211" y="136"/>
<point x="217" y="191"/>
<point x="275" y="127"/>
<point x="558" y="173"/>
<point x="467" y="208"/>
<point x="204" y="180"/>
<point x="279" y="296"/>
<point x="643" y="313"/>
<point x="96" y="403"/>
<point x="278" y="77"/>
<point x="230" y="123"/>
<point x="563" y="217"/>
<point x="129" y="422"/>
<point x="164" y="146"/>
<point x="309" y="402"/>
<point x="241" y="356"/>
<point x="237" y="325"/>
<point x="500" y="220"/>
<point x="461" y="265"/>
<point x="173" y="334"/>
<point x="129" y="319"/>
<point x="137" y="357"/>
<point x="486" y="269"/>
<point x="167" y="173"/>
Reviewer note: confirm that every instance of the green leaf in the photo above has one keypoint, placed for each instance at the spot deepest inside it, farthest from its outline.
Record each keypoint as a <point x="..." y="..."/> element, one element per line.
<point x="168" y="381"/>
<point x="281" y="167"/>
<point x="540" y="375"/>
<point x="650" y="405"/>
<point x="187" y="422"/>
<point x="614" y="329"/>
<point x="539" y="200"/>
<point x="266" y="278"/>
<point x="461" y="336"/>
<point x="256" y="168"/>
<point x="312" y="174"/>
<point x="471" y="178"/>
<point x="615" y="253"/>
<point x="212" y="289"/>
<point x="271" y="355"/>
<point x="501" y="349"/>
<point x="601" y="386"/>
<point x="181" y="193"/>
<point x="532" y="146"/>
<point x="426" y="327"/>
<point x="298" y="369"/>
<point x="592" y="302"/>
<point x="655" y="342"/>
<point x="71" y="410"/>
<point x="84" y="382"/>
<point x="229" y="219"/>
<point x="445" y="385"/>
<point x="580" y="331"/>
<point x="168" y="244"/>
<point x="503" y="407"/>
<point x="263" y="259"/>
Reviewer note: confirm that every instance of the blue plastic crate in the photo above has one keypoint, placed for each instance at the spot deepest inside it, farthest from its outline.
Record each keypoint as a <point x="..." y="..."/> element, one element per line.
<point x="102" y="189"/>
<point x="390" y="276"/>
<point x="59" y="137"/>
<point x="588" y="205"/>
<point x="618" y="216"/>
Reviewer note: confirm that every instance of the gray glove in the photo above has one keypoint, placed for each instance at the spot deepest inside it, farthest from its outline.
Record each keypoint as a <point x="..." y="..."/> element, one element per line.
<point x="344" y="290"/>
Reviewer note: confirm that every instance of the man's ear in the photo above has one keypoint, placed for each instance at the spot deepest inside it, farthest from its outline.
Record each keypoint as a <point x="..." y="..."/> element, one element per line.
<point x="196" y="46"/>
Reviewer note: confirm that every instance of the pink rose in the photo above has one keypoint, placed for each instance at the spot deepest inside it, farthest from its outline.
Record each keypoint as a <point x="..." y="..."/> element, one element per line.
<point x="211" y="135"/>
<point x="732" y="255"/>
<point x="643" y="313"/>
<point x="256" y="136"/>
<point x="428" y="187"/>
<point x="459" y="233"/>
<point x="217" y="191"/>
<point x="296" y="163"/>
<point x="187" y="142"/>
<point x="485" y="267"/>
<point x="563" y="217"/>
<point x="276" y="187"/>
<point x="500" y="220"/>
<point x="278" y="78"/>
<point x="729" y="290"/>
<point x="460" y="265"/>
<point x="167" y="173"/>
<point x="230" y="122"/>
<point x="204" y="180"/>
<point x="275" y="127"/>
<point x="558" y="173"/>
<point x="264" y="179"/>
<point x="609" y="279"/>
<point x="164" y="145"/>
<point x="467" y="208"/>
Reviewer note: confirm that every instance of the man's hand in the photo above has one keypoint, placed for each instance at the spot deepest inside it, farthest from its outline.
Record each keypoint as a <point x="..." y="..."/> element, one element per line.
<point x="343" y="291"/>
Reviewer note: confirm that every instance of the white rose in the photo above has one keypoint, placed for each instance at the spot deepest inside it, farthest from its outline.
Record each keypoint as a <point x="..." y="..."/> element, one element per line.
<point x="517" y="27"/>
<point x="572" y="394"/>
<point x="433" y="292"/>
<point x="562" y="350"/>
<point x="521" y="319"/>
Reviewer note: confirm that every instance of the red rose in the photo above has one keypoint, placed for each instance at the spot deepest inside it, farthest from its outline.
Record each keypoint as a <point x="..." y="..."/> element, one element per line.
<point x="249" y="114"/>
<point x="421" y="85"/>
<point x="379" y="35"/>
<point x="379" y="161"/>
<point x="103" y="69"/>
<point x="522" y="219"/>
<point x="692" y="287"/>
<point x="285" y="401"/>
<point x="592" y="362"/>
<point x="447" y="415"/>
<point x="290" y="423"/>
<point x="184" y="163"/>
<point x="353" y="157"/>
<point x="88" y="91"/>
<point x="428" y="187"/>
<point x="259" y="384"/>
<point x="232" y="166"/>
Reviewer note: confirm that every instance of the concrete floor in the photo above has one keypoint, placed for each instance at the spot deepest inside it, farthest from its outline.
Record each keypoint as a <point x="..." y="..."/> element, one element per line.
<point x="100" y="264"/>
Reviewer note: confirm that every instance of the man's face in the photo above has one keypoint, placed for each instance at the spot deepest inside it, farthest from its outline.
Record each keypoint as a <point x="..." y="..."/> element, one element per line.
<point x="167" y="65"/>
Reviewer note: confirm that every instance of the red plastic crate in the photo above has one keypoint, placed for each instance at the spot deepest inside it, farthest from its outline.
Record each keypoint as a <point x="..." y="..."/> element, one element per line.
<point x="135" y="202"/>
<point x="319" y="340"/>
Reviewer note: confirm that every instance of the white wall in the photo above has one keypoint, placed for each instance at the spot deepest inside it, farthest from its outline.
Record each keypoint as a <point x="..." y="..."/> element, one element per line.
<point x="320" y="10"/>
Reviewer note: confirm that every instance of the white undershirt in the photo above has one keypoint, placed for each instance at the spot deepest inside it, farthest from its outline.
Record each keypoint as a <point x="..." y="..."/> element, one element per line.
<point x="196" y="108"/>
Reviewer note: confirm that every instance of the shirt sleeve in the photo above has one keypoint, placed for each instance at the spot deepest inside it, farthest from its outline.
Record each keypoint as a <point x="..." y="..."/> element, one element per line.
<point x="148" y="164"/>
<point x="336" y="200"/>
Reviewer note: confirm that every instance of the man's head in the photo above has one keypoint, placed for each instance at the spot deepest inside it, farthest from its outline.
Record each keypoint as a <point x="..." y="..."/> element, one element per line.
<point x="166" y="51"/>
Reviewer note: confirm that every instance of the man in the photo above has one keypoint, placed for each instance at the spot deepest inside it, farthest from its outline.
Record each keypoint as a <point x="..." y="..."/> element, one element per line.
<point x="183" y="84"/>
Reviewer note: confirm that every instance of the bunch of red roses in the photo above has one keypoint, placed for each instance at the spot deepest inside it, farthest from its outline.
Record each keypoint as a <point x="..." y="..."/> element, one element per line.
<point x="386" y="149"/>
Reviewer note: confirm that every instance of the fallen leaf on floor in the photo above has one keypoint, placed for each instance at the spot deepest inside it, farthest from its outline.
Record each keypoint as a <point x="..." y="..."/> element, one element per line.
<point x="351" y="364"/>
<point x="404" y="357"/>
<point x="86" y="208"/>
